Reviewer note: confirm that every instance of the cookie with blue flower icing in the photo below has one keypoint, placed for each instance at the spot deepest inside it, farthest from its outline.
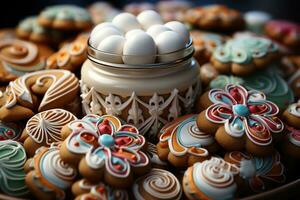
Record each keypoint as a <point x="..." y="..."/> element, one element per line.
<point x="65" y="17"/>
<point x="243" y="55"/>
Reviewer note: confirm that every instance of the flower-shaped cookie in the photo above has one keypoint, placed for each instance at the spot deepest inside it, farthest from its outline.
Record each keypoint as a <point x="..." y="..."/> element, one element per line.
<point x="65" y="17"/>
<point x="181" y="142"/>
<point x="12" y="175"/>
<point x="105" y="149"/>
<point x="241" y="119"/>
<point x="243" y="55"/>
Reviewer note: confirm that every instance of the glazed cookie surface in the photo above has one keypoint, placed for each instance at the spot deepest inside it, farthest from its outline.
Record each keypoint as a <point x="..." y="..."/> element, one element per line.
<point x="211" y="179"/>
<point x="12" y="160"/>
<point x="105" y="150"/>
<point x="49" y="177"/>
<point x="241" y="119"/>
<point x="157" y="184"/>
<point x="65" y="17"/>
<point x="38" y="91"/>
<point x="183" y="144"/>
<point x="19" y="57"/>
<point x="243" y="55"/>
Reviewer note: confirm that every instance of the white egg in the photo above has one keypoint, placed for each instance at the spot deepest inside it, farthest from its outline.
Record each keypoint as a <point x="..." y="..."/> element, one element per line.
<point x="157" y="29"/>
<point x="167" y="43"/>
<point x="126" y="22"/>
<point x="133" y="32"/>
<point x="148" y="18"/>
<point x="180" y="28"/>
<point x="97" y="38"/>
<point x="139" y="49"/>
<point x="101" y="26"/>
<point x="113" y="46"/>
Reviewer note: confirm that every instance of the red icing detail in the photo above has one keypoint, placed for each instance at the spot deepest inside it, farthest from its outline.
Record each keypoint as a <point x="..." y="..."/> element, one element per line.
<point x="87" y="137"/>
<point x="9" y="132"/>
<point x="76" y="144"/>
<point x="235" y="94"/>
<point x="253" y="109"/>
<point x="2" y="138"/>
<point x="101" y="189"/>
<point x="80" y="125"/>
<point x="118" y="167"/>
<point x="122" y="140"/>
<point x="104" y="127"/>
<point x="133" y="157"/>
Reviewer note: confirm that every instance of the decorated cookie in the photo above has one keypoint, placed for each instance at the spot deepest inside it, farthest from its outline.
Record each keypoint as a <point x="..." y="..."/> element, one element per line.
<point x="183" y="144"/>
<point x="44" y="128"/>
<point x="205" y="43"/>
<point x="12" y="160"/>
<point x="29" y="29"/>
<point x="151" y="152"/>
<point x="105" y="150"/>
<point x="267" y="81"/>
<point x="82" y="186"/>
<point x="260" y="173"/>
<point x="211" y="179"/>
<point x="49" y="177"/>
<point x="38" y="91"/>
<point x="157" y="184"/>
<point x="65" y="17"/>
<point x="18" y="57"/>
<point x="102" y="11"/>
<point x="243" y="55"/>
<point x="287" y="33"/>
<point x="70" y="56"/>
<point x="241" y="119"/>
<point x="256" y="20"/>
<point x="103" y="191"/>
<point x="290" y="69"/>
<point x="207" y="74"/>
<point x="10" y="131"/>
<point x="215" y="17"/>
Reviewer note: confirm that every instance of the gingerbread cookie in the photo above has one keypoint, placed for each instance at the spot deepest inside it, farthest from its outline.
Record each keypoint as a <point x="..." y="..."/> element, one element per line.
<point x="18" y="57"/>
<point x="44" y="128"/>
<point x="157" y="184"/>
<point x="70" y="56"/>
<point x="105" y="150"/>
<point x="241" y="119"/>
<point x="243" y="55"/>
<point x="29" y="29"/>
<point x="38" y="91"/>
<point x="12" y="160"/>
<point x="215" y="17"/>
<point x="285" y="32"/>
<point x="104" y="192"/>
<point x="211" y="179"/>
<point x="49" y="177"/>
<point x="82" y="186"/>
<point x="65" y="17"/>
<point x="182" y="144"/>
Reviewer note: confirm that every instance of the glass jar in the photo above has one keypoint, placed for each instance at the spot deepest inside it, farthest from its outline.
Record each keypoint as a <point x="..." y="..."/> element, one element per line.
<point x="148" y="95"/>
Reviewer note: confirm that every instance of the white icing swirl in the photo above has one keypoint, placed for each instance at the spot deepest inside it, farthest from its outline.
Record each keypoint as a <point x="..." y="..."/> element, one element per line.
<point x="294" y="109"/>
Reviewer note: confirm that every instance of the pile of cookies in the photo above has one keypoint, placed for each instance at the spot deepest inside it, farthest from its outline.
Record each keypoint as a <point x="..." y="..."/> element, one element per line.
<point x="241" y="138"/>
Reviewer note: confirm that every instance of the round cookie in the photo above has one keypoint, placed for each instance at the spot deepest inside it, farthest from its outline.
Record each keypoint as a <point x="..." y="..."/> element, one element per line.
<point x="242" y="56"/>
<point x="182" y="144"/>
<point x="70" y="56"/>
<point x="104" y="149"/>
<point x="211" y="179"/>
<point x="156" y="162"/>
<point x="10" y="131"/>
<point x="18" y="57"/>
<point x="38" y="91"/>
<point x="44" y="128"/>
<point x="82" y="186"/>
<point x="285" y="32"/>
<point x="241" y="119"/>
<point x="104" y="192"/>
<point x="65" y="17"/>
<point x="215" y="17"/>
<point x="29" y="29"/>
<point x="12" y="160"/>
<point x="49" y="177"/>
<point x="157" y="184"/>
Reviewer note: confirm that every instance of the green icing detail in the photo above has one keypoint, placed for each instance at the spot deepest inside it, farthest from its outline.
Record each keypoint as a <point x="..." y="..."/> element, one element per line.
<point x="66" y="12"/>
<point x="30" y="24"/>
<point x="222" y="80"/>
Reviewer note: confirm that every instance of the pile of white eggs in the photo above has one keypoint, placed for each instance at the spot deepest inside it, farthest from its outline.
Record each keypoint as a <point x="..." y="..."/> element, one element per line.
<point x="137" y="40"/>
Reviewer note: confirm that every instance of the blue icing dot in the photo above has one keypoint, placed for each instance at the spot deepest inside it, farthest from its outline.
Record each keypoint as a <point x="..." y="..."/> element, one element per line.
<point x="241" y="110"/>
<point x="107" y="140"/>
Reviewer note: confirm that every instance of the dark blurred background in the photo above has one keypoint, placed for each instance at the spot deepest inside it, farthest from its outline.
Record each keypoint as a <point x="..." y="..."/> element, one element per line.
<point x="11" y="11"/>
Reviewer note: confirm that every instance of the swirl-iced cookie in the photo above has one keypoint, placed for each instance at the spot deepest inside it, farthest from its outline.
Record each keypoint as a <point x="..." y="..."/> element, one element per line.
<point x="157" y="184"/>
<point x="243" y="55"/>
<point x="44" y="128"/>
<point x="182" y="144"/>
<point x="18" y="57"/>
<point x="49" y="177"/>
<point x="105" y="150"/>
<point x="241" y="119"/>
<point x="38" y="91"/>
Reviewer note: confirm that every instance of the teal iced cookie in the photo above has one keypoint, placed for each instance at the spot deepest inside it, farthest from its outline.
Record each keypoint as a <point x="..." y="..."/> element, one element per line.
<point x="267" y="81"/>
